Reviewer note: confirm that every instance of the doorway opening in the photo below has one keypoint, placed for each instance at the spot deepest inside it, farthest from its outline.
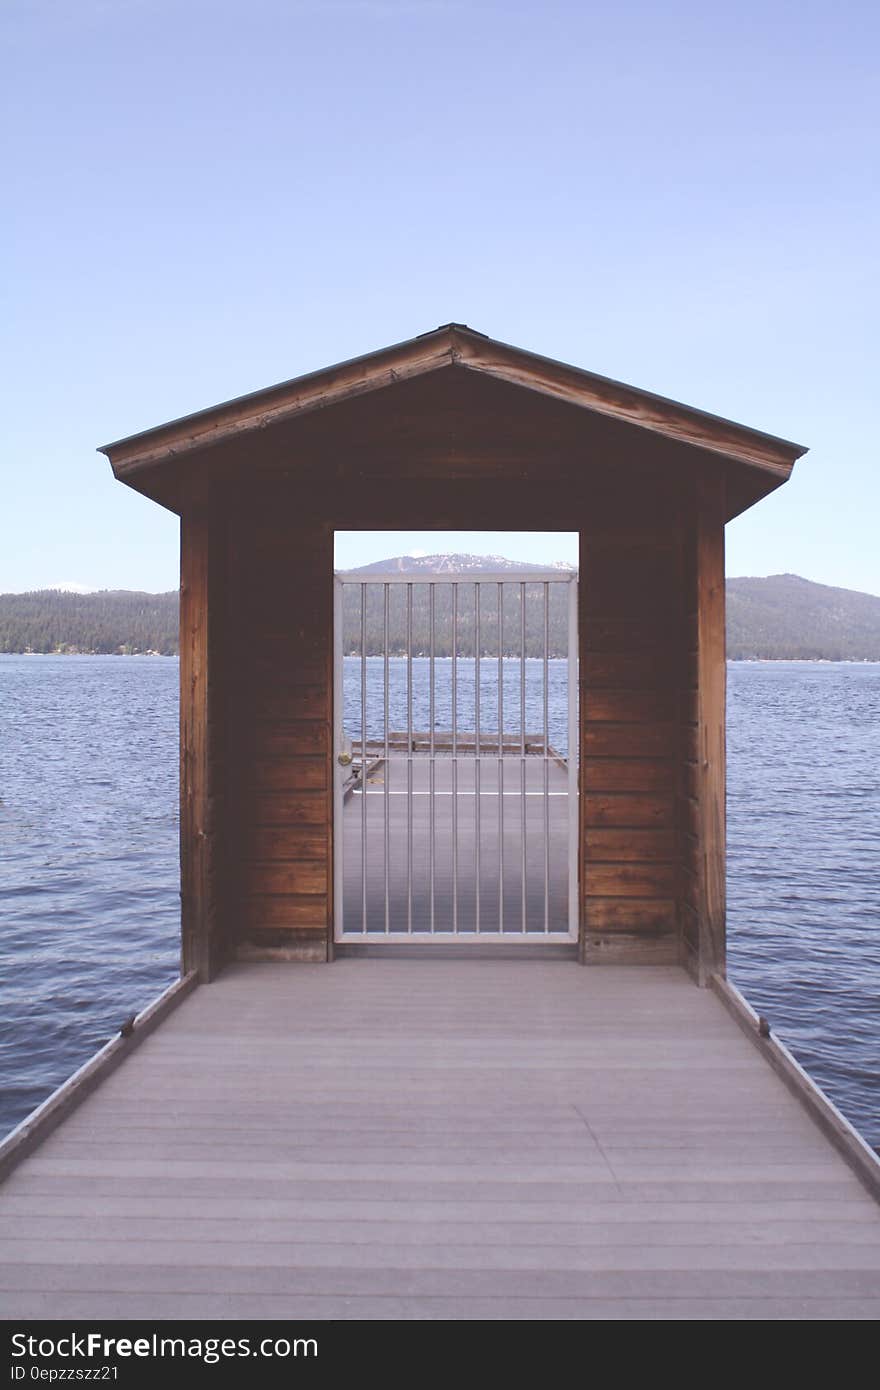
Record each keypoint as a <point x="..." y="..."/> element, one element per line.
<point x="455" y="707"/>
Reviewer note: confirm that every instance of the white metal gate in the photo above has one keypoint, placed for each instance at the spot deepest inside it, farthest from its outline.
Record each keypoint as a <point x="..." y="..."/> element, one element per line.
<point x="456" y="774"/>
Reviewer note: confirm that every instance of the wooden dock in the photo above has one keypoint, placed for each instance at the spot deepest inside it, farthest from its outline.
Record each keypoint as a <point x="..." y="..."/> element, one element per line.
<point x="441" y="843"/>
<point x="441" y="1139"/>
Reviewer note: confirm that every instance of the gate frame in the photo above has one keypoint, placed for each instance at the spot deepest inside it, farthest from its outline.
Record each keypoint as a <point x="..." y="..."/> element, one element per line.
<point x="549" y="576"/>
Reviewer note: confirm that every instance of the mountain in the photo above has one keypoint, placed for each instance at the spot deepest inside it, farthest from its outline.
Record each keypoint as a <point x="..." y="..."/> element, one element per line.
<point x="446" y="564"/>
<point x="464" y="620"/>
<point x="783" y="617"/>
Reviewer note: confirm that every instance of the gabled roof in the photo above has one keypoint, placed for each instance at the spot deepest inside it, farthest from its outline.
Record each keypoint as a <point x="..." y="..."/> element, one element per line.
<point x="457" y="347"/>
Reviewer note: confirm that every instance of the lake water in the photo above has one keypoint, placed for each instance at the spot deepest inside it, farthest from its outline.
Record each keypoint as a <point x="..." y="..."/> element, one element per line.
<point x="88" y="860"/>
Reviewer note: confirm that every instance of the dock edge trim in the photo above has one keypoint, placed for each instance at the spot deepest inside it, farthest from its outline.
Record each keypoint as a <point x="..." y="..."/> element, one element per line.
<point x="40" y="1123"/>
<point x="861" y="1158"/>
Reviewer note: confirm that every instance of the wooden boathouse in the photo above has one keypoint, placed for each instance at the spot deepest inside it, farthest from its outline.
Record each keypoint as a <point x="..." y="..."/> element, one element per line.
<point x="452" y="430"/>
<point x="476" y="1136"/>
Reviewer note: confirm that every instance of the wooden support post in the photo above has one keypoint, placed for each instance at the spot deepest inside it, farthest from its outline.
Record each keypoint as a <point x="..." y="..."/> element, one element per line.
<point x="201" y="576"/>
<point x="711" y="742"/>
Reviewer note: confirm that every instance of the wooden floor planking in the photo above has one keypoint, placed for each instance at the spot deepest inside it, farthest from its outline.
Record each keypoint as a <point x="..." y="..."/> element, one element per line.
<point x="441" y="1139"/>
<point x="412" y="834"/>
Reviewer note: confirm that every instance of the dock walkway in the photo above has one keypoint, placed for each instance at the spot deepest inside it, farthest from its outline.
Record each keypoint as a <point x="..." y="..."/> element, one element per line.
<point x="440" y="844"/>
<point x="399" y="1138"/>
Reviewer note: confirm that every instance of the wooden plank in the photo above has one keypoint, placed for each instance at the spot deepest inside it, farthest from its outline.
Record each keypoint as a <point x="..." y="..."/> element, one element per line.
<point x="285" y="665"/>
<point x="265" y="911"/>
<point x="629" y="740"/>
<point x="629" y="880"/>
<point x="621" y="593"/>
<point x="269" y="700"/>
<point x="285" y="842"/>
<point x="290" y="774"/>
<point x="627" y="636"/>
<point x="628" y="775"/>
<point x="638" y="810"/>
<point x="639" y="669"/>
<point x="615" y="845"/>
<point x="631" y="948"/>
<point x="287" y="808"/>
<point x="279" y="738"/>
<point x="630" y="706"/>
<point x="306" y="876"/>
<point x="638" y="916"/>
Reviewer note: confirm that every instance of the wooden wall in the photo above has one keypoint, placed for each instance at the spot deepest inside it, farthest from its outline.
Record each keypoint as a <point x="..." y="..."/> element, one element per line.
<point x="279" y="738"/>
<point x="257" y="769"/>
<point x="631" y="642"/>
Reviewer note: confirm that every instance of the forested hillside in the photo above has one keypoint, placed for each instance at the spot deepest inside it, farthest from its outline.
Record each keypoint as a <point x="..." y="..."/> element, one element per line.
<point x="780" y="618"/>
<point x="784" y="618"/>
<point x="116" y="621"/>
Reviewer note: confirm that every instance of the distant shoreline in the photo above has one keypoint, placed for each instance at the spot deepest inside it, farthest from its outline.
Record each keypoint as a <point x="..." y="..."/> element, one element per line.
<point x="739" y="660"/>
<point x="779" y="618"/>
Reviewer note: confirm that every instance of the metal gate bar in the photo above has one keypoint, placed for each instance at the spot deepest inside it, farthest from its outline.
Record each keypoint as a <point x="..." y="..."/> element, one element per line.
<point x="437" y="856"/>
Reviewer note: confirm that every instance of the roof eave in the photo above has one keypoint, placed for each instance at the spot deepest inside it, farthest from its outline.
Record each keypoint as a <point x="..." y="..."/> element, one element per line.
<point x="452" y="345"/>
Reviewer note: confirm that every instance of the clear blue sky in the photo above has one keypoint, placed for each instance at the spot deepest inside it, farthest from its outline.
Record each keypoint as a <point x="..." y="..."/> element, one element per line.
<point x="207" y="196"/>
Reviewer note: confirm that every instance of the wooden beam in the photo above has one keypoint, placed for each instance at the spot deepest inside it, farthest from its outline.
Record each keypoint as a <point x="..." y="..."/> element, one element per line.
<point x="261" y="409"/>
<point x="621" y="402"/>
<point x="711" y="727"/>
<point x="201" y="773"/>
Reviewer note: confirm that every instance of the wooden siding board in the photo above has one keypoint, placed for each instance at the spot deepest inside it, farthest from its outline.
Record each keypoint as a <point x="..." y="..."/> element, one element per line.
<point x="637" y="810"/>
<point x="616" y="845"/>
<point x="629" y="880"/>
<point x="265" y="911"/>
<point x="637" y="668"/>
<point x="628" y="740"/>
<point x="632" y="775"/>
<point x="630" y="706"/>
